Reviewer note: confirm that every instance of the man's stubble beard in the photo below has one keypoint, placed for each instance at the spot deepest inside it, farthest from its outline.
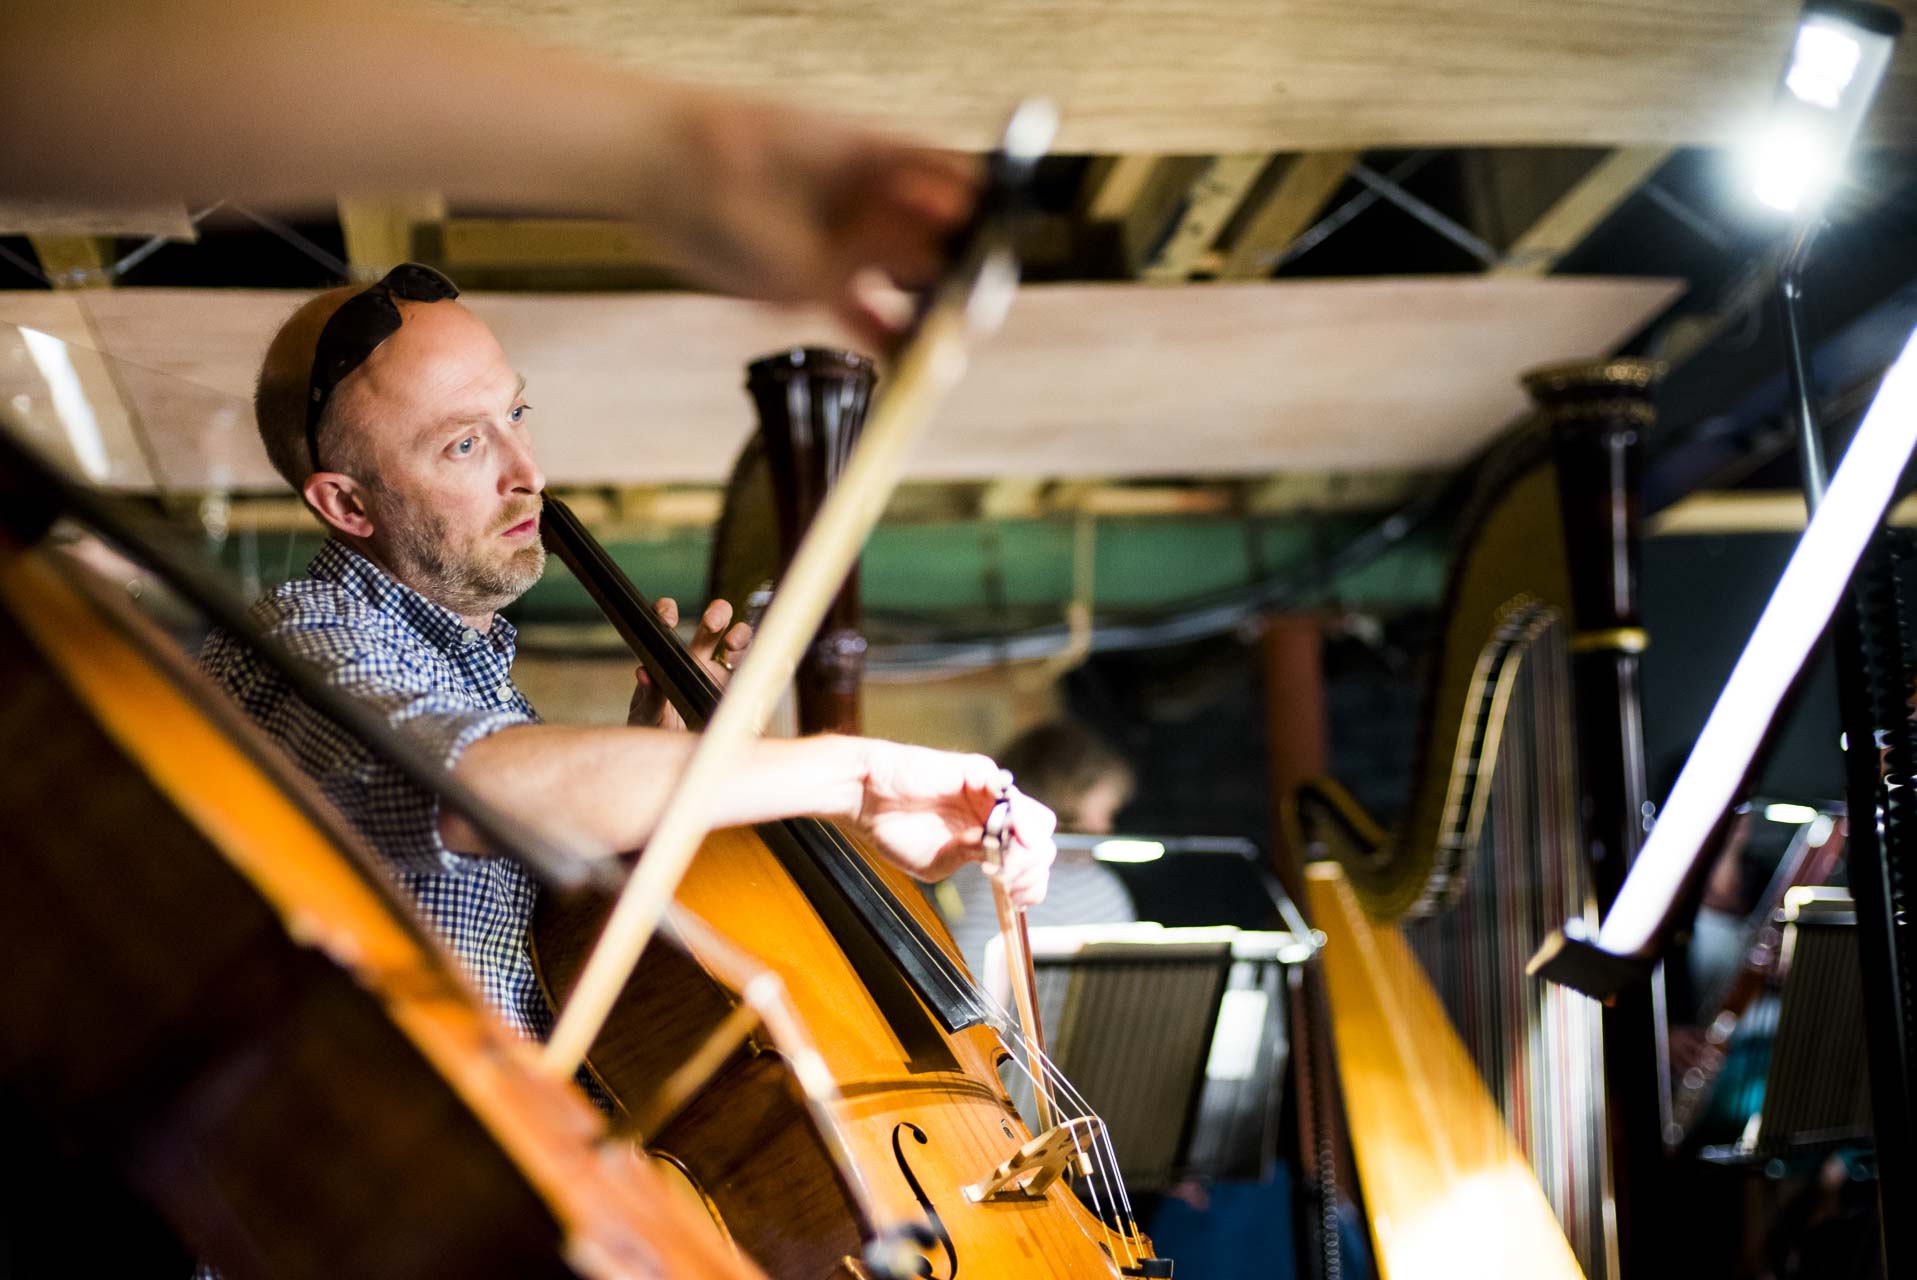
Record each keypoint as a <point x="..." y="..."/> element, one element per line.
<point x="463" y="579"/>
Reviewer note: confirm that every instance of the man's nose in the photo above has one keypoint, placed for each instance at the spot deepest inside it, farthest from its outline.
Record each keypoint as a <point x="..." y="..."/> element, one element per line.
<point x="522" y="473"/>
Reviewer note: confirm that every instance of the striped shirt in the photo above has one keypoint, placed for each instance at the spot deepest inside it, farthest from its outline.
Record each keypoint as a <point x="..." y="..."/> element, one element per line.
<point x="443" y="685"/>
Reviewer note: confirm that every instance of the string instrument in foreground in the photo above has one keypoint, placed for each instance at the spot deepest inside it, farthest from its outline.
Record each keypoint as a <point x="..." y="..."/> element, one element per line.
<point x="1526" y="810"/>
<point x="924" y="1141"/>
<point x="214" y="992"/>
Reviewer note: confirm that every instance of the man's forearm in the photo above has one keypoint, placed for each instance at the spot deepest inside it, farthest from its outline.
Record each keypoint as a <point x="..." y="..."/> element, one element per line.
<point x="602" y="788"/>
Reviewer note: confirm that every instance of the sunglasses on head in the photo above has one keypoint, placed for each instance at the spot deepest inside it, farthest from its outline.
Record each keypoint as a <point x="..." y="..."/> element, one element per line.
<point x="356" y="330"/>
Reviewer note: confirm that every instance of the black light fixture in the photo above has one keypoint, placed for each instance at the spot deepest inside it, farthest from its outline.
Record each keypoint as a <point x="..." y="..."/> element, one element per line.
<point x="1837" y="62"/>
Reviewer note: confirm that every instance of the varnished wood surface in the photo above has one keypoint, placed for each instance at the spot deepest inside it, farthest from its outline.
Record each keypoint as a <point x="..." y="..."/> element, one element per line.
<point x="747" y="1139"/>
<point x="208" y="989"/>
<point x="1445" y="1188"/>
<point x="1227" y="75"/>
<point x="1108" y="380"/>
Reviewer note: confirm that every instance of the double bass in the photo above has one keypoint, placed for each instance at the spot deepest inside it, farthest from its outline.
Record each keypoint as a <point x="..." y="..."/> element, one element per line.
<point x="920" y="1164"/>
<point x="925" y="1150"/>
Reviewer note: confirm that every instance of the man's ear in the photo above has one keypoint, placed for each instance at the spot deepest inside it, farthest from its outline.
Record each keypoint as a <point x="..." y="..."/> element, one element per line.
<point x="340" y="501"/>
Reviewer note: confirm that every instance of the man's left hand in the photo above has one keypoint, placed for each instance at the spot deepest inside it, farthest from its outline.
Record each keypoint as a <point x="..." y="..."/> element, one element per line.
<point x="716" y="644"/>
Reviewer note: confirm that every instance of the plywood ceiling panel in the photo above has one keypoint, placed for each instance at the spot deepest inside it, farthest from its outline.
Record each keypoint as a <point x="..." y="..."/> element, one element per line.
<point x="1105" y="380"/>
<point x="1229" y="75"/>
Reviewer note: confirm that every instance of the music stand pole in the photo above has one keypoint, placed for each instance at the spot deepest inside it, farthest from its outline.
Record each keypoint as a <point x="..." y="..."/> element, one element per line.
<point x="1881" y="855"/>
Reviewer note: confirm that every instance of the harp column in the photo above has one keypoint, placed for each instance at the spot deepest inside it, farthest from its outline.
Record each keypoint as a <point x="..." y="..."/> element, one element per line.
<point x="1597" y="414"/>
<point x="812" y="403"/>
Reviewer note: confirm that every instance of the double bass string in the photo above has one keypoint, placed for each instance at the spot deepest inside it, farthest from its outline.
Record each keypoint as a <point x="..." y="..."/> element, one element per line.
<point x="1001" y="1021"/>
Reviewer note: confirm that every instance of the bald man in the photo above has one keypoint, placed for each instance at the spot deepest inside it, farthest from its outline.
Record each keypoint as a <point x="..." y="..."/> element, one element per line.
<point x="398" y="418"/>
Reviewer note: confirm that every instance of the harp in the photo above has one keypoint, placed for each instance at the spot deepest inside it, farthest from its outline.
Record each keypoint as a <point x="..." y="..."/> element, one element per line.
<point x="1488" y="1109"/>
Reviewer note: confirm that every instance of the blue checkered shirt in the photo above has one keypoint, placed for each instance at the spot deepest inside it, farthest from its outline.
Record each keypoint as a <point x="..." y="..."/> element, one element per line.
<point x="444" y="686"/>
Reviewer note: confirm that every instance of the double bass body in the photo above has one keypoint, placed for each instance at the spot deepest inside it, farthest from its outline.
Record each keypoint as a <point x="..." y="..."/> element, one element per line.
<point x="921" y="1113"/>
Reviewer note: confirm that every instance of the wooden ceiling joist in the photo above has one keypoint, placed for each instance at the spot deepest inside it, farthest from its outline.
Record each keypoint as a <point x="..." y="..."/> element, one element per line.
<point x="1215" y="77"/>
<point x="1306" y="183"/>
<point x="382" y="231"/>
<point x="1579" y="211"/>
<point x="1718" y="512"/>
<point x="506" y="243"/>
<point x="1116" y="184"/>
<point x="166" y="219"/>
<point x="1134" y="199"/>
<point x="1211" y="202"/>
<point x="73" y="262"/>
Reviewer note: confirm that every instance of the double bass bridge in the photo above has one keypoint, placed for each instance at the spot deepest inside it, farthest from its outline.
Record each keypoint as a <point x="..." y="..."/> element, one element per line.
<point x="1027" y="1173"/>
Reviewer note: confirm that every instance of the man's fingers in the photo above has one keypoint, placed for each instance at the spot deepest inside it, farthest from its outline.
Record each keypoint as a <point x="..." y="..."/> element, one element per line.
<point x="738" y="638"/>
<point x="712" y="625"/>
<point x="937" y="186"/>
<point x="1033" y="821"/>
<point x="668" y="610"/>
<point x="1026" y="876"/>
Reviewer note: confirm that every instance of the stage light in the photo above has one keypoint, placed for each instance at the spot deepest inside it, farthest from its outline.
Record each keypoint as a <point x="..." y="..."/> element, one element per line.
<point x="1837" y="62"/>
<point x="1793" y="815"/>
<point x="1128" y="851"/>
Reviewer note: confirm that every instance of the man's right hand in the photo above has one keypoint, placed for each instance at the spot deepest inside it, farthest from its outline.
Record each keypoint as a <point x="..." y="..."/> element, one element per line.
<point x="925" y="810"/>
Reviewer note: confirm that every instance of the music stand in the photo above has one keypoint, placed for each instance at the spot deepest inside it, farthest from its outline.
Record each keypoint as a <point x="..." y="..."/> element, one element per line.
<point x="1817" y="1090"/>
<point x="1176" y="1037"/>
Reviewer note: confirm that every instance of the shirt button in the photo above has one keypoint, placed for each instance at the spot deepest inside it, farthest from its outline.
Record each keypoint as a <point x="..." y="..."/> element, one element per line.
<point x="504" y="693"/>
<point x="469" y="636"/>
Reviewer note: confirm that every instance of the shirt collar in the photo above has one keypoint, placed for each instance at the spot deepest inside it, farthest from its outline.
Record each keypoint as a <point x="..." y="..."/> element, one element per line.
<point x="435" y="623"/>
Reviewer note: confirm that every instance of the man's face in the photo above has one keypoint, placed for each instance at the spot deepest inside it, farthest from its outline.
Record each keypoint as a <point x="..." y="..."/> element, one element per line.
<point x="451" y="488"/>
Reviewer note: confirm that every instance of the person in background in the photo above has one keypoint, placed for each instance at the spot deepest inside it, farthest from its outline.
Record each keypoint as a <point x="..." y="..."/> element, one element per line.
<point x="1062" y="764"/>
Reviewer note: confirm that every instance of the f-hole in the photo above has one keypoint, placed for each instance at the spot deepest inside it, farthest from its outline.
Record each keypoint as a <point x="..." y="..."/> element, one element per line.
<point x="932" y="1218"/>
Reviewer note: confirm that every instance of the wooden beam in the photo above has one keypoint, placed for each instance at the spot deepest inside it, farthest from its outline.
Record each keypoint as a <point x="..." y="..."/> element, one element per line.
<point x="1115" y="186"/>
<point x="1213" y="198"/>
<point x="504" y="243"/>
<point x="1300" y="192"/>
<point x="1211" y="77"/>
<point x="1293" y="493"/>
<point x="1012" y="498"/>
<point x="1579" y="211"/>
<point x="1133" y="203"/>
<point x="50" y="218"/>
<point x="381" y="231"/>
<point x="1749" y="511"/>
<point x="74" y="262"/>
